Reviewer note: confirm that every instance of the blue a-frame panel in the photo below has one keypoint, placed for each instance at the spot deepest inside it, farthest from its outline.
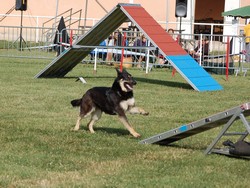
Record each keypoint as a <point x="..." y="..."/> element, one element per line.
<point x="193" y="73"/>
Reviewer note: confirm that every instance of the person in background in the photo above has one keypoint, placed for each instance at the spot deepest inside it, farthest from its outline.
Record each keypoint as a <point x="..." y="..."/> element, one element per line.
<point x="100" y="53"/>
<point x="160" y="58"/>
<point x="201" y="49"/>
<point x="247" y="41"/>
<point x="113" y="40"/>
<point x="140" y="42"/>
<point x="171" y="32"/>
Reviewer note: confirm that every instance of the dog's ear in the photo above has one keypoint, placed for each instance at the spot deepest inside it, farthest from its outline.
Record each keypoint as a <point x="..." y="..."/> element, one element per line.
<point x="118" y="71"/>
<point x="124" y="71"/>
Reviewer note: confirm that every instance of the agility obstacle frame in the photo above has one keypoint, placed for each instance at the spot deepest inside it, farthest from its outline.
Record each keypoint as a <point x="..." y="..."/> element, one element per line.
<point x="194" y="74"/>
<point x="225" y="118"/>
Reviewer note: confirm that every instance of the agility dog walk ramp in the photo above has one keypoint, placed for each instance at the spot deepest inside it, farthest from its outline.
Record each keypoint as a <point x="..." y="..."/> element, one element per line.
<point x="67" y="60"/>
<point x="194" y="74"/>
<point x="226" y="118"/>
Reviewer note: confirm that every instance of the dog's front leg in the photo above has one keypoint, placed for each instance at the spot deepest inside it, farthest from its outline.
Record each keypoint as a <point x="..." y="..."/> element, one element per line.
<point x="125" y="122"/>
<point x="137" y="110"/>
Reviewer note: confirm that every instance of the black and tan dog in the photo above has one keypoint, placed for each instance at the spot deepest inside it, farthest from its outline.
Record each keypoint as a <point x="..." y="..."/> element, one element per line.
<point x="115" y="100"/>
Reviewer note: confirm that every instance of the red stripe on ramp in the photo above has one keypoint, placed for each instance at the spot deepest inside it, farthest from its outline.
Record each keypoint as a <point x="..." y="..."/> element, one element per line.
<point x="157" y="34"/>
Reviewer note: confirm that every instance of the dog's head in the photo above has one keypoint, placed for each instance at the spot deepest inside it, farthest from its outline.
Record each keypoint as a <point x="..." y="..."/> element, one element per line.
<point x="125" y="80"/>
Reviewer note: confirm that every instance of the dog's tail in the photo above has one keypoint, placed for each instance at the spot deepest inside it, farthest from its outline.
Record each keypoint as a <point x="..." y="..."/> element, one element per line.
<point x="76" y="102"/>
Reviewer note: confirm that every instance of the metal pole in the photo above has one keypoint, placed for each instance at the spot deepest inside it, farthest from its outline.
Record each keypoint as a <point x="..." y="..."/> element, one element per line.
<point x="227" y="57"/>
<point x="21" y="31"/>
<point x="85" y="16"/>
<point x="101" y="6"/>
<point x="147" y="61"/>
<point x="95" y="64"/>
<point x="167" y="18"/>
<point x="57" y="2"/>
<point x="180" y="32"/>
<point x="192" y="15"/>
<point x="200" y="46"/>
<point x="122" y="54"/>
<point x="180" y="26"/>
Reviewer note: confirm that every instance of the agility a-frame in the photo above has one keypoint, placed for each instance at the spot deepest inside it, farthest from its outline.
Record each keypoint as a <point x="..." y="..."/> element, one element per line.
<point x="194" y="74"/>
<point x="226" y="119"/>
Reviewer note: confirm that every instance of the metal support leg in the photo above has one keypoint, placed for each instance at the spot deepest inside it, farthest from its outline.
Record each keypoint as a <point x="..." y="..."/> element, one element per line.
<point x="247" y="125"/>
<point x="225" y="128"/>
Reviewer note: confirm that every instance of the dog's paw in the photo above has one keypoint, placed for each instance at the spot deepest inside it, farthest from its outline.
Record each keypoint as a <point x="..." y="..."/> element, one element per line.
<point x="74" y="129"/>
<point x="136" y="135"/>
<point x="144" y="113"/>
<point x="92" y="131"/>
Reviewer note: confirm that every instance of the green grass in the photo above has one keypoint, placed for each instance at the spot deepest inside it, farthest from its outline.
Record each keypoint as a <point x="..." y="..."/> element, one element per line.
<point x="39" y="150"/>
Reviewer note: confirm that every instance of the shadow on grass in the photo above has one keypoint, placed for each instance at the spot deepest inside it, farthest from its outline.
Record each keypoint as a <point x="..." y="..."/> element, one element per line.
<point x="192" y="147"/>
<point x="145" y="80"/>
<point x="202" y="149"/>
<point x="90" y="77"/>
<point x="165" y="143"/>
<point x="116" y="131"/>
<point x="164" y="83"/>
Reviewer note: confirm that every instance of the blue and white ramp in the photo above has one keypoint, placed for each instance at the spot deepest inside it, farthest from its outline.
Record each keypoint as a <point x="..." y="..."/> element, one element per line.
<point x="193" y="73"/>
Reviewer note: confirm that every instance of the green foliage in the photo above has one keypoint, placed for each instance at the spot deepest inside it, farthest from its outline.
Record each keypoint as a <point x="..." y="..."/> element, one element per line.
<point x="38" y="148"/>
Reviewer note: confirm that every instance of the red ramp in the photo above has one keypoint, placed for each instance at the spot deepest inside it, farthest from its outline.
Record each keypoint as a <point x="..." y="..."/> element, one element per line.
<point x="154" y="32"/>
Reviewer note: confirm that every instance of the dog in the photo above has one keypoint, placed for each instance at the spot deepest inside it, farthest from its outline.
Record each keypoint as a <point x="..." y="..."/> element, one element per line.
<point x="115" y="100"/>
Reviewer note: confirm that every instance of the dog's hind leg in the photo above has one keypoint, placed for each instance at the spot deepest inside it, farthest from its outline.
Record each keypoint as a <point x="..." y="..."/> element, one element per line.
<point x="95" y="116"/>
<point x="125" y="122"/>
<point x="82" y="115"/>
<point x="86" y="108"/>
<point x="76" y="128"/>
<point x="90" y="125"/>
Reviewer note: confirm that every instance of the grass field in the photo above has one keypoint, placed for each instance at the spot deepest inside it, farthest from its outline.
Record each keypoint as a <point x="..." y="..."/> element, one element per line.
<point x="38" y="148"/>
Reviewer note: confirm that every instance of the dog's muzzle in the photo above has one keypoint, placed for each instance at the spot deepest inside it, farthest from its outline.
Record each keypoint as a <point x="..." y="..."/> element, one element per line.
<point x="128" y="86"/>
<point x="134" y="82"/>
